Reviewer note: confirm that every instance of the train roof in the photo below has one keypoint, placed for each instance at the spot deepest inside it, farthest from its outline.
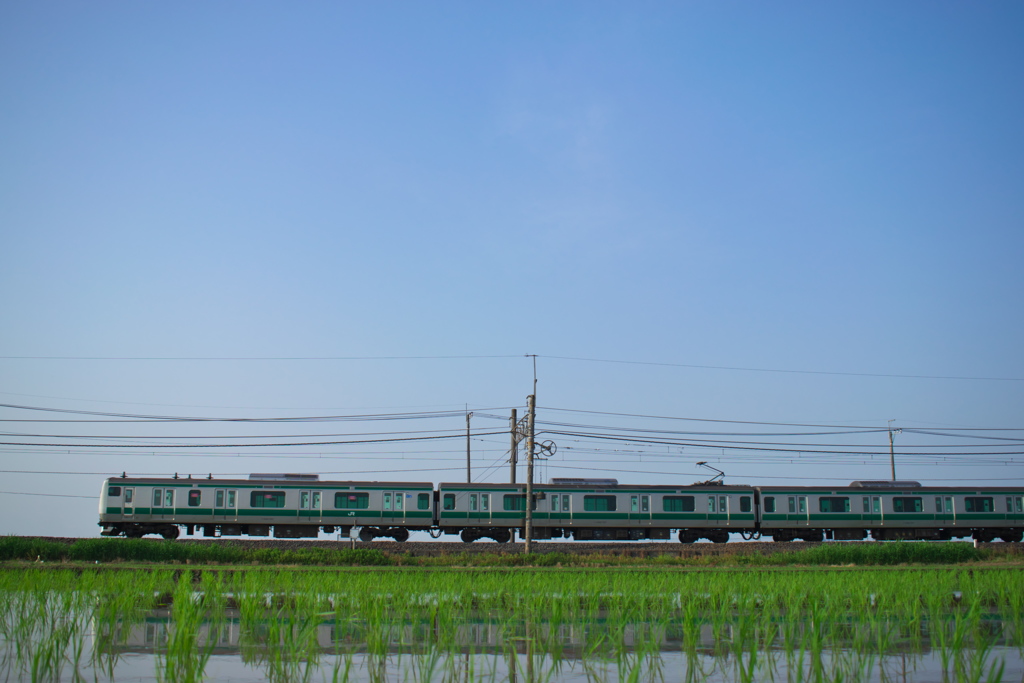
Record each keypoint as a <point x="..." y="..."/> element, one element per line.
<point x="262" y="483"/>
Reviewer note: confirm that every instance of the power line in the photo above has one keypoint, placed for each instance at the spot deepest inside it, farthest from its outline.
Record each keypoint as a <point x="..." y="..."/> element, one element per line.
<point x="145" y="447"/>
<point x="775" y="424"/>
<point x="48" y="495"/>
<point x="257" y="358"/>
<point x="775" y="370"/>
<point x="307" y="418"/>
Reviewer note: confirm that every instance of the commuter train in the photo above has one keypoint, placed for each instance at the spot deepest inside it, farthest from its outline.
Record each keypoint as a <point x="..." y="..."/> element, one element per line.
<point x="301" y="506"/>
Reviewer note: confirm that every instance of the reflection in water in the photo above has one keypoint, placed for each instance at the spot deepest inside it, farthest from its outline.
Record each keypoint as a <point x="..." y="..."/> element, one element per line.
<point x="189" y="642"/>
<point x="501" y="647"/>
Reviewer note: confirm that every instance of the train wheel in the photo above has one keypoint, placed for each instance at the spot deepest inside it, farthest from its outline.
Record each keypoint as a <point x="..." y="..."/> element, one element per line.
<point x="502" y="536"/>
<point x="720" y="537"/>
<point x="401" y="535"/>
<point x="365" y="535"/>
<point x="1013" y="537"/>
<point x="687" y="537"/>
<point x="133" y="533"/>
<point x="467" y="536"/>
<point x="171" y="533"/>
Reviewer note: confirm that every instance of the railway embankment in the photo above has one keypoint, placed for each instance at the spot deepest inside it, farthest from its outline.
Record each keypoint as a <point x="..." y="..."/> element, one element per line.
<point x="639" y="550"/>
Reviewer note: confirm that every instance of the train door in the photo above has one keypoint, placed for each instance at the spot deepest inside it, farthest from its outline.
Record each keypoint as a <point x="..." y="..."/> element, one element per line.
<point x="163" y="502"/>
<point x="128" y="503"/>
<point x="640" y="508"/>
<point x="225" y="505"/>
<point x="310" y="507"/>
<point x="873" y="513"/>
<point x="1014" y="510"/>
<point x="219" y="505"/>
<point x="480" y="507"/>
<point x="718" y="510"/>
<point x="561" y="511"/>
<point x="799" y="511"/>
<point x="394" y="506"/>
<point x="945" y="513"/>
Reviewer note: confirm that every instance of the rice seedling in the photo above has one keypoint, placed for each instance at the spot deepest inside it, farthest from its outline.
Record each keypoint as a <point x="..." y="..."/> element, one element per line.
<point x="617" y="624"/>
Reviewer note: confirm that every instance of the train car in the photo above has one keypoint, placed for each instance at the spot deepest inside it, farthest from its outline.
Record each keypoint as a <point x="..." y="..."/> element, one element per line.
<point x="301" y="506"/>
<point x="891" y="510"/>
<point x="282" y="505"/>
<point x="594" y="510"/>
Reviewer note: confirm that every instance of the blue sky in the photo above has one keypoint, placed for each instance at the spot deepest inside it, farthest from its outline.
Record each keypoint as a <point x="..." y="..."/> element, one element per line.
<point x="795" y="186"/>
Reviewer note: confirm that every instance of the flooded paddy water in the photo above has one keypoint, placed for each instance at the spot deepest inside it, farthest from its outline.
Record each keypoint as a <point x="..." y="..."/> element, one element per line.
<point x="512" y="625"/>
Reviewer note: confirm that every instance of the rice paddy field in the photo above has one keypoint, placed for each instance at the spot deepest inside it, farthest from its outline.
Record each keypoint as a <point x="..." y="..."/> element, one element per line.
<point x="511" y="624"/>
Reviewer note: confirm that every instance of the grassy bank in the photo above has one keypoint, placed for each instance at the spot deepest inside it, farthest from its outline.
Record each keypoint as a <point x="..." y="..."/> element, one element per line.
<point x="106" y="550"/>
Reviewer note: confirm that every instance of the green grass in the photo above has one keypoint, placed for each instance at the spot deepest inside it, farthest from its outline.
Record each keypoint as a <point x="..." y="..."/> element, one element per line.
<point x="106" y="550"/>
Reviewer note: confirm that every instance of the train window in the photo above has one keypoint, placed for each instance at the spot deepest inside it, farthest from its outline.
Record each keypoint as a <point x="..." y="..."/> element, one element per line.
<point x="833" y="504"/>
<point x="514" y="501"/>
<point x="599" y="503"/>
<point x="158" y="496"/>
<point x="472" y="502"/>
<point x="195" y="496"/>
<point x="867" y="504"/>
<point x="711" y="503"/>
<point x="938" y="504"/>
<point x="723" y="504"/>
<point x="485" y="502"/>
<point x="423" y="501"/>
<point x="387" y="501"/>
<point x="634" y="504"/>
<point x="316" y="500"/>
<point x="231" y="498"/>
<point x="949" y="504"/>
<point x="304" y="500"/>
<point x="115" y="491"/>
<point x="398" y="501"/>
<point x="449" y="501"/>
<point x="128" y="495"/>
<point x="769" y="504"/>
<point x="220" y="498"/>
<point x="565" y="503"/>
<point x="876" y="505"/>
<point x="978" y="504"/>
<point x="169" y="498"/>
<point x="745" y="504"/>
<point x="803" y="504"/>
<point x="792" y="504"/>
<point x="1009" y="504"/>
<point x="554" y="503"/>
<point x="266" y="499"/>
<point x="351" y="501"/>
<point x="677" y="504"/>
<point x="901" y="504"/>
<point x="1019" y="504"/>
<point x="645" y="503"/>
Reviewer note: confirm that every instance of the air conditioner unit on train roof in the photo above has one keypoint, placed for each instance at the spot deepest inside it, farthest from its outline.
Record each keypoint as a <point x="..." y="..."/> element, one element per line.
<point x="285" y="477"/>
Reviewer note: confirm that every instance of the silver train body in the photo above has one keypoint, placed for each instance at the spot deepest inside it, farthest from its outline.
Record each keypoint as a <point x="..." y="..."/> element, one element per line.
<point x="302" y="506"/>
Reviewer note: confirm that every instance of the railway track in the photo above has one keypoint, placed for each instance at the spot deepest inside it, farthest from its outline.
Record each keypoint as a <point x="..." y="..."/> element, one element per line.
<point x="440" y="548"/>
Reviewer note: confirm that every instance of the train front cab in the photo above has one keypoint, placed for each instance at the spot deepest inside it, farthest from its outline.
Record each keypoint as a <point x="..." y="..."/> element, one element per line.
<point x="283" y="508"/>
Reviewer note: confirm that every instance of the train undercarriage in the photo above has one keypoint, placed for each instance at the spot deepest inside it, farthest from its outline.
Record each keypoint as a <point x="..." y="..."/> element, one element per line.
<point x="505" y="535"/>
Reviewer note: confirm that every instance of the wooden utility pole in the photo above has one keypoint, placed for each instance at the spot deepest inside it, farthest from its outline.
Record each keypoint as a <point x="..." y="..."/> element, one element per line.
<point x="514" y="451"/>
<point x="892" y="454"/>
<point x="531" y="402"/>
<point x="469" y="477"/>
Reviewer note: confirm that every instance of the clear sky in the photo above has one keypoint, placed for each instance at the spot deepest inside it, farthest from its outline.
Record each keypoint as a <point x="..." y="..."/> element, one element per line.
<point x="422" y="193"/>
